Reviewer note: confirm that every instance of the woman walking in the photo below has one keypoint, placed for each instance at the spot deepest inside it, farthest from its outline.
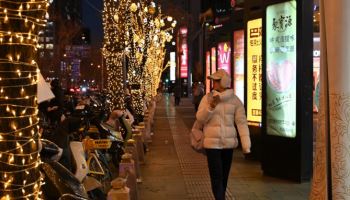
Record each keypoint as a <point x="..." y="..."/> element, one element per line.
<point x="219" y="111"/>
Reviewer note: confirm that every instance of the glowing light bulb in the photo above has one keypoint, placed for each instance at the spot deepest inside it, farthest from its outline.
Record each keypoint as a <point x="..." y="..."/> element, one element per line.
<point x="11" y="159"/>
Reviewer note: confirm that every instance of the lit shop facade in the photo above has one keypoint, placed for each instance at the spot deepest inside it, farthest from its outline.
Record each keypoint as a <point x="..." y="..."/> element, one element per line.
<point x="265" y="48"/>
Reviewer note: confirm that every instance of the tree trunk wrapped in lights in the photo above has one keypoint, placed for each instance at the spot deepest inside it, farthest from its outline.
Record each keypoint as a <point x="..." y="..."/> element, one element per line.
<point x="139" y="17"/>
<point x="114" y="47"/>
<point x="160" y="34"/>
<point x="20" y="21"/>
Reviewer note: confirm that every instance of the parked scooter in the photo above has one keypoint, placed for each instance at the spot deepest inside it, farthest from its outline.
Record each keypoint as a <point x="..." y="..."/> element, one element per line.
<point x="60" y="183"/>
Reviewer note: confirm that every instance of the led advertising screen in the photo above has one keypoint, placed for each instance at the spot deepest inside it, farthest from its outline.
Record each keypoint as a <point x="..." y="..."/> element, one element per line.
<point x="281" y="28"/>
<point x="254" y="71"/>
<point x="213" y="60"/>
<point x="183" y="53"/>
<point x="172" y="66"/>
<point x="224" y="56"/>
<point x="207" y="71"/>
<point x="238" y="64"/>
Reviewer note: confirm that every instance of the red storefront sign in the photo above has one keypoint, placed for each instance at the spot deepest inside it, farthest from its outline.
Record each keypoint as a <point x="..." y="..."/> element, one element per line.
<point x="183" y="53"/>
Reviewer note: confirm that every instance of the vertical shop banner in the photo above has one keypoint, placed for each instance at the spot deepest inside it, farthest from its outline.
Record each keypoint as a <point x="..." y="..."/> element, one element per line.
<point x="224" y="56"/>
<point x="207" y="71"/>
<point x="183" y="53"/>
<point x="213" y="60"/>
<point x="172" y="66"/>
<point x="238" y="64"/>
<point x="254" y="71"/>
<point x="316" y="74"/>
<point x="281" y="28"/>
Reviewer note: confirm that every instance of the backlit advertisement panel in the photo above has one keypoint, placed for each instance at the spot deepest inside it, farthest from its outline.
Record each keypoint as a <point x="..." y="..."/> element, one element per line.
<point x="254" y="71"/>
<point x="224" y="56"/>
<point x="183" y="53"/>
<point x="316" y="80"/>
<point x="172" y="66"/>
<point x="207" y="71"/>
<point x="281" y="28"/>
<point x="213" y="60"/>
<point x="238" y="64"/>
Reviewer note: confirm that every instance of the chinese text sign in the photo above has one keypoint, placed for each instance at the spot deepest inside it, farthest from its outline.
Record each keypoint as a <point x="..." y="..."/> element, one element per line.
<point x="254" y="70"/>
<point x="281" y="55"/>
<point x="183" y="53"/>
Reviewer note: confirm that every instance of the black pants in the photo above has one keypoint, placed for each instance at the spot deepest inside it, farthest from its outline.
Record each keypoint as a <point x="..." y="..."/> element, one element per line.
<point x="219" y="163"/>
<point x="177" y="101"/>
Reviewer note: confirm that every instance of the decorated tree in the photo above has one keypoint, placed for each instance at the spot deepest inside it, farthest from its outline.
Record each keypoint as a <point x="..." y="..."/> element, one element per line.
<point x="114" y="19"/>
<point x="20" y="21"/>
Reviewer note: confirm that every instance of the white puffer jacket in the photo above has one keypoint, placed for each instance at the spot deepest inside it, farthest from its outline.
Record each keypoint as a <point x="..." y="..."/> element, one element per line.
<point x="219" y="124"/>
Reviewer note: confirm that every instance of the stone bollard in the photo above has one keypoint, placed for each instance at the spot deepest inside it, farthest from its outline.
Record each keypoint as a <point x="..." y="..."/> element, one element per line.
<point x="127" y="170"/>
<point x="132" y="149"/>
<point x="141" y="127"/>
<point x="119" y="190"/>
<point x="137" y="136"/>
<point x="147" y="123"/>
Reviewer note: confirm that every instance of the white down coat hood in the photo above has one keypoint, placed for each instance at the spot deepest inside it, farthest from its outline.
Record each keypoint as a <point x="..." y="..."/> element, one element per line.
<point x="219" y="124"/>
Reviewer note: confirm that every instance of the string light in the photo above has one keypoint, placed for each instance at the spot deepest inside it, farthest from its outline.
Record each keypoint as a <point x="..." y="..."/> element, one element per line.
<point x="114" y="45"/>
<point x="19" y="134"/>
<point x="140" y="38"/>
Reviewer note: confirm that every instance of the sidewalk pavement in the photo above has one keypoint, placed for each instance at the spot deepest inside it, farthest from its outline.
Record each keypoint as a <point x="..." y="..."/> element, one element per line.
<point x="173" y="171"/>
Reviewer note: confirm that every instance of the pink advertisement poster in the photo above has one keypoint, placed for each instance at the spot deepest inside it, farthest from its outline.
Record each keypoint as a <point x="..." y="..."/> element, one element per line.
<point x="183" y="53"/>
<point x="224" y="56"/>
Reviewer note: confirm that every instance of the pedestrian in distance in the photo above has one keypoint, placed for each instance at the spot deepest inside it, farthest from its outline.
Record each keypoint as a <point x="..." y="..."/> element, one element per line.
<point x="177" y="94"/>
<point x="219" y="111"/>
<point x="198" y="93"/>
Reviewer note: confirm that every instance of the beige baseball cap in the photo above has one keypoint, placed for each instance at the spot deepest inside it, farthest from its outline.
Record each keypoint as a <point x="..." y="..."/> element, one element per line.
<point x="218" y="75"/>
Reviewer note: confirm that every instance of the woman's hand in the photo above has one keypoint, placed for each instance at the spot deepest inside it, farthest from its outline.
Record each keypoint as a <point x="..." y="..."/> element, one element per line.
<point x="215" y="101"/>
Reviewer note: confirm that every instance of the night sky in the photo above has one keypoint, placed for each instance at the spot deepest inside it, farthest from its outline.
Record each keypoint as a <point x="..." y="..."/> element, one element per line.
<point x="92" y="19"/>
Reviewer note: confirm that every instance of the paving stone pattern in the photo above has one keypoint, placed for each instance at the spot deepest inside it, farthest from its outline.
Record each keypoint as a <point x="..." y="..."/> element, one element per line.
<point x="173" y="171"/>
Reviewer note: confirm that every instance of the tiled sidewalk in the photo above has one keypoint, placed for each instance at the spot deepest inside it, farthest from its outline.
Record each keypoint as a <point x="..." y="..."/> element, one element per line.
<point x="174" y="172"/>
